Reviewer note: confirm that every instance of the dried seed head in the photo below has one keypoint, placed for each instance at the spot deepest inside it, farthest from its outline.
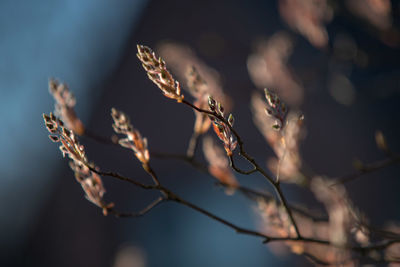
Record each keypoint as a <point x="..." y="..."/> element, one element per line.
<point x="211" y="103"/>
<point x="59" y="133"/>
<point x="275" y="109"/>
<point x="220" y="127"/>
<point x="64" y="107"/>
<point x="157" y="73"/>
<point x="133" y="139"/>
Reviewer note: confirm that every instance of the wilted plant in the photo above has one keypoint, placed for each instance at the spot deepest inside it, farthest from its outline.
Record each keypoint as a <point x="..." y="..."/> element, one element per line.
<point x="342" y="236"/>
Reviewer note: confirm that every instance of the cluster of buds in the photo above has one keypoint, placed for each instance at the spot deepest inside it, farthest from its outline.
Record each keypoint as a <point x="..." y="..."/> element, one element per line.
<point x="90" y="181"/>
<point x="220" y="127"/>
<point x="61" y="134"/>
<point x="276" y="109"/>
<point x="133" y="139"/>
<point x="158" y="73"/>
<point x="196" y="83"/>
<point x="91" y="184"/>
<point x="64" y="107"/>
<point x="285" y="143"/>
<point x="219" y="165"/>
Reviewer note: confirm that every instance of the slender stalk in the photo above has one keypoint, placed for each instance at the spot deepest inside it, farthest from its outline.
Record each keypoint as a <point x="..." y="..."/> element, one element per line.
<point x="233" y="166"/>
<point x="142" y="212"/>
<point x="368" y="168"/>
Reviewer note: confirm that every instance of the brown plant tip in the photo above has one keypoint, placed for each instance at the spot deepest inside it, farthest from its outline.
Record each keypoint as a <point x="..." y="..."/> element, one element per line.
<point x="90" y="181"/>
<point x="134" y="139"/>
<point x="220" y="127"/>
<point x="276" y="109"/>
<point x="158" y="73"/>
<point x="59" y="133"/>
<point x="64" y="107"/>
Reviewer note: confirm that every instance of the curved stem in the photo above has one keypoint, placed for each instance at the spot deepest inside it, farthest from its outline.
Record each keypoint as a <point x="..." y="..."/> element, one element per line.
<point x="144" y="211"/>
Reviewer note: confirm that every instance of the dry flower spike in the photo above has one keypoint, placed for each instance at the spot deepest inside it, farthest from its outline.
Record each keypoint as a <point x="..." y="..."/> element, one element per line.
<point x="220" y="127"/>
<point x="158" y="73"/>
<point x="276" y="109"/>
<point x="91" y="182"/>
<point x="134" y="139"/>
<point x="64" y="107"/>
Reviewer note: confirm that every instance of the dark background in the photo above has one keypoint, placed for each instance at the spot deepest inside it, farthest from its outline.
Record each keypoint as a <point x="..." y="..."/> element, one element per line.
<point x="91" y="45"/>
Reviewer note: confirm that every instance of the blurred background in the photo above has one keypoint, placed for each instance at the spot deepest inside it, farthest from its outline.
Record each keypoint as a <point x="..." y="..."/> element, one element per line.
<point x="336" y="61"/>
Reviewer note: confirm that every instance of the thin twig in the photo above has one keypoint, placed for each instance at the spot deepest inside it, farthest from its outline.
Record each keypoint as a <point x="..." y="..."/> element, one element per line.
<point x="368" y="168"/>
<point x="140" y="213"/>
<point x="232" y="164"/>
<point x="243" y="153"/>
<point x="169" y="195"/>
<point x="100" y="139"/>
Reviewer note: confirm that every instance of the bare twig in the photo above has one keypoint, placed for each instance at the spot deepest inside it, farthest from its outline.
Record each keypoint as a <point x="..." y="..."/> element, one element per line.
<point x="367" y="168"/>
<point x="100" y="139"/>
<point x="242" y="152"/>
<point x="140" y="213"/>
<point x="232" y="164"/>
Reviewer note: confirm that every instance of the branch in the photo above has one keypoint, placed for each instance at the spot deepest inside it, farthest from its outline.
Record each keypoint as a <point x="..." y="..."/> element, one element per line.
<point x="171" y="196"/>
<point x="140" y="213"/>
<point x="250" y="159"/>
<point x="368" y="168"/>
<point x="232" y="164"/>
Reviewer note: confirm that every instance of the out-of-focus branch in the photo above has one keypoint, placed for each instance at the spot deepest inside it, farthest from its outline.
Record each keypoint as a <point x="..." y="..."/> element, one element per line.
<point x="142" y="212"/>
<point x="100" y="139"/>
<point x="193" y="144"/>
<point x="367" y="168"/>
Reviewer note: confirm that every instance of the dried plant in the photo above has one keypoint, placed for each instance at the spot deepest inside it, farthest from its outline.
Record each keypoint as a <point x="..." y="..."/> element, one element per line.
<point x="90" y="181"/>
<point x="64" y="107"/>
<point x="341" y="236"/>
<point x="308" y="18"/>
<point x="268" y="68"/>
<point x="133" y="138"/>
<point x="221" y="126"/>
<point x="158" y="73"/>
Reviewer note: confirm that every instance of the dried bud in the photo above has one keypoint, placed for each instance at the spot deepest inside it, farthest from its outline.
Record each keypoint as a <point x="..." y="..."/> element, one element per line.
<point x="221" y="128"/>
<point x="157" y="72"/>
<point x="275" y="109"/>
<point x="231" y="120"/>
<point x="211" y="103"/>
<point x="69" y="144"/>
<point x="54" y="138"/>
<point x="46" y="118"/>
<point x="133" y="139"/>
<point x="64" y="107"/>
